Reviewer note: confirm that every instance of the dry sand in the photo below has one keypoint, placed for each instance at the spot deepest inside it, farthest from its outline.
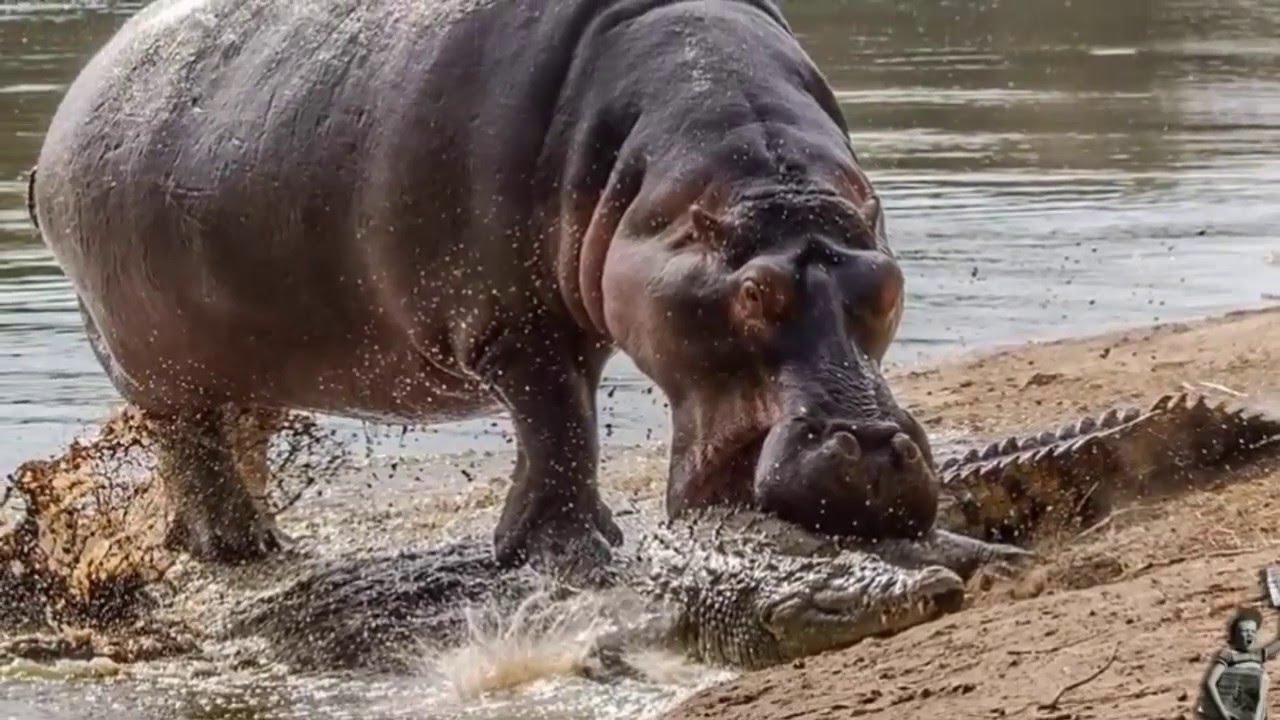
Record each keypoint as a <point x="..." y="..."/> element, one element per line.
<point x="1141" y="602"/>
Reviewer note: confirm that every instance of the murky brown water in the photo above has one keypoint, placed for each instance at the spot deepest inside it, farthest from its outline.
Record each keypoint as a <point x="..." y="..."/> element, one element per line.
<point x="1049" y="168"/>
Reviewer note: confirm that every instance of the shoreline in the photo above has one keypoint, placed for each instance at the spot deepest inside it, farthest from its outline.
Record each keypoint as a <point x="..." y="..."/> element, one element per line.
<point x="974" y="398"/>
<point x="1114" y="592"/>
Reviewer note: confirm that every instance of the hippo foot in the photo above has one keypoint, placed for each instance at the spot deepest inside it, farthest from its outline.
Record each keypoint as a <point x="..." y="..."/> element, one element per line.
<point x="221" y="542"/>
<point x="582" y="560"/>
<point x="962" y="554"/>
<point x="574" y="547"/>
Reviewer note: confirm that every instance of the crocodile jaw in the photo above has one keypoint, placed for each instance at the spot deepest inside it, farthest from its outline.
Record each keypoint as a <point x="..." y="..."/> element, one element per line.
<point x="837" y="602"/>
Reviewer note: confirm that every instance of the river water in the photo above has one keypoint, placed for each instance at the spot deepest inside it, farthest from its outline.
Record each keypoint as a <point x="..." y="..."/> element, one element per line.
<point x="1048" y="168"/>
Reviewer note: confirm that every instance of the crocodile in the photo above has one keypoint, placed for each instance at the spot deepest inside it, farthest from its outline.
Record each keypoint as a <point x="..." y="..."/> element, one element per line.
<point x="725" y="587"/>
<point x="747" y="589"/>
<point x="1023" y="487"/>
<point x="730" y="586"/>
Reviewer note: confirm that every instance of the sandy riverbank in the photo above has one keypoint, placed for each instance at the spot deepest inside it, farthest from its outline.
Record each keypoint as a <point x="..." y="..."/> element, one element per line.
<point x="1153" y="588"/>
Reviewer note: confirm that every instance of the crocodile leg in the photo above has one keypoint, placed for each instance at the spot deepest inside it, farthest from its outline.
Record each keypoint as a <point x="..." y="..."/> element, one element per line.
<point x="942" y="547"/>
<point x="608" y="661"/>
<point x="961" y="554"/>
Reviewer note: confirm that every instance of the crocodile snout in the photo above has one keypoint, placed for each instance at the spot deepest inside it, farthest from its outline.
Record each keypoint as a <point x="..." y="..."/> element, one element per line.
<point x="853" y="597"/>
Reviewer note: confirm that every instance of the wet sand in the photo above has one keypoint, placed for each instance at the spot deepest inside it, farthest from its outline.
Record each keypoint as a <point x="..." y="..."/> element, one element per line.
<point x="1142" y="600"/>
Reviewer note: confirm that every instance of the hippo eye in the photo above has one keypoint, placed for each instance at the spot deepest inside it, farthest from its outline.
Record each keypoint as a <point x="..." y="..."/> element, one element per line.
<point x="760" y="300"/>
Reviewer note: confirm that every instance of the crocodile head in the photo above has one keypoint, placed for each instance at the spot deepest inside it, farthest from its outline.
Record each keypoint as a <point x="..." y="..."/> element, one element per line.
<point x="831" y="603"/>
<point x="745" y="589"/>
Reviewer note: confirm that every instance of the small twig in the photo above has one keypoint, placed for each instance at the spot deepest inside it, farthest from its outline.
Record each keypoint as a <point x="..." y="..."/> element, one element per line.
<point x="1055" y="648"/>
<point x="1085" y="499"/>
<point x="1111" y="516"/>
<point x="1221" y="388"/>
<point x="1052" y="704"/>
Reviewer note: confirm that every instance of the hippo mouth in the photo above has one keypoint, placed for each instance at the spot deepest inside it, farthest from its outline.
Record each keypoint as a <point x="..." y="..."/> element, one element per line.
<point x="868" y="479"/>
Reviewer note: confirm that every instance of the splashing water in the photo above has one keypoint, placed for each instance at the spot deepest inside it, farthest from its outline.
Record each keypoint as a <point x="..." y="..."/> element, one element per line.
<point x="89" y="592"/>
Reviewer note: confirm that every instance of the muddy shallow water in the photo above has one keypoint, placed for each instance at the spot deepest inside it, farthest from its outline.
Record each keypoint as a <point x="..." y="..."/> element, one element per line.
<point x="1048" y="169"/>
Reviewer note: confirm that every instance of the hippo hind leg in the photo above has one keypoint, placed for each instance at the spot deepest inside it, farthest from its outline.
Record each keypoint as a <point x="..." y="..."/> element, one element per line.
<point x="249" y="431"/>
<point x="209" y="460"/>
<point x="98" y="345"/>
<point x="215" y="517"/>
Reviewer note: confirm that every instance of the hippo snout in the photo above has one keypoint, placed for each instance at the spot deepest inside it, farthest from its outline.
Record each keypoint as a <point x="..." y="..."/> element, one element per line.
<point x="845" y="477"/>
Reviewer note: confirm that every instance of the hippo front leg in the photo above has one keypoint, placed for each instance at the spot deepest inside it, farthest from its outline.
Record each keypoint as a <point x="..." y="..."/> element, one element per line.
<point x="553" y="515"/>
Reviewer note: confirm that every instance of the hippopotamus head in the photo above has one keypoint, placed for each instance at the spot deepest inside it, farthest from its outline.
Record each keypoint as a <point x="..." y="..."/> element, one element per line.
<point x="764" y="316"/>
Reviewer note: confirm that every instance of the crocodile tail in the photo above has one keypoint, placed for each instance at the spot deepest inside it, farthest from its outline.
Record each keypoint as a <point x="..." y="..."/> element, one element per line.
<point x="1016" y="445"/>
<point x="1085" y="466"/>
<point x="31" y="198"/>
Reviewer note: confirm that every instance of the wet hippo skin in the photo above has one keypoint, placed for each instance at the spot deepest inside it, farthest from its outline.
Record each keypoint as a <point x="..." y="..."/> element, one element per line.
<point x="415" y="212"/>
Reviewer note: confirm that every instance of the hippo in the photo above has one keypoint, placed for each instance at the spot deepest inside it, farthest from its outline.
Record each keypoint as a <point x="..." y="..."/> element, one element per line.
<point x="416" y="212"/>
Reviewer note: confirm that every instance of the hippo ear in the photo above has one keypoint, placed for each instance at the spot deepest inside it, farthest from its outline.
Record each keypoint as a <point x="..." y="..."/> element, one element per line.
<point x="706" y="227"/>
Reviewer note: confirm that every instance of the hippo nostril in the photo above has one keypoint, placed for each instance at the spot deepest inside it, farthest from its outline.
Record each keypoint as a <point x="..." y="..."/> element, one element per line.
<point x="908" y="452"/>
<point x="846" y="444"/>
